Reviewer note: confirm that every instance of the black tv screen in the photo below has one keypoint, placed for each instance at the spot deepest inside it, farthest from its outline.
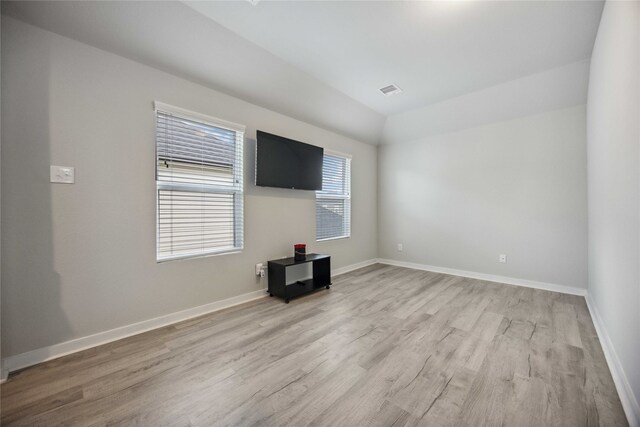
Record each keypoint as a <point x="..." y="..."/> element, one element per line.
<point x="285" y="163"/>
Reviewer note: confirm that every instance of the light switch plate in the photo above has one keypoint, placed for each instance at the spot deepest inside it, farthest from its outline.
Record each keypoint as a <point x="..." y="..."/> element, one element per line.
<point x="63" y="174"/>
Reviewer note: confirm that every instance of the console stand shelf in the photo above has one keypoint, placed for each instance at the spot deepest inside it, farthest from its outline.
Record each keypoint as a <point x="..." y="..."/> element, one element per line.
<point x="278" y="277"/>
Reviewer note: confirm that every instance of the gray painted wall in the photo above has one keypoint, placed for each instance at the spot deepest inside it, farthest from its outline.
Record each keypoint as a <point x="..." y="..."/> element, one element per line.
<point x="516" y="187"/>
<point x="80" y="259"/>
<point x="613" y="133"/>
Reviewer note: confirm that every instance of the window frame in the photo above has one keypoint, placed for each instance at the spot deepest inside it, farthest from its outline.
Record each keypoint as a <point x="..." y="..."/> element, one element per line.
<point x="345" y="196"/>
<point x="236" y="191"/>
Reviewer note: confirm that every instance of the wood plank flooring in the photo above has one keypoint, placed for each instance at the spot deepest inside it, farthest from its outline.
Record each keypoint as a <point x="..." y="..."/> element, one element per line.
<point x="386" y="346"/>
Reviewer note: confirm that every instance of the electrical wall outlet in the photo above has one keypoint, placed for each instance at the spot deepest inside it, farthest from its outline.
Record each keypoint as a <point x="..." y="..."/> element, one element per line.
<point x="502" y="258"/>
<point x="400" y="247"/>
<point x="260" y="269"/>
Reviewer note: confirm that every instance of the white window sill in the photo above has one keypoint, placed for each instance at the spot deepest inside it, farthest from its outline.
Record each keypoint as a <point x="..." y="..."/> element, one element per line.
<point x="333" y="238"/>
<point x="200" y="255"/>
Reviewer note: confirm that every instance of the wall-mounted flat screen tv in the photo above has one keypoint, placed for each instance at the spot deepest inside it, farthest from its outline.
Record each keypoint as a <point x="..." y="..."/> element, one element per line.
<point x="285" y="163"/>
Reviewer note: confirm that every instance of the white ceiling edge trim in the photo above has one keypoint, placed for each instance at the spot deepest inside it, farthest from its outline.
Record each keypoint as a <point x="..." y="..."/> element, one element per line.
<point x="553" y="89"/>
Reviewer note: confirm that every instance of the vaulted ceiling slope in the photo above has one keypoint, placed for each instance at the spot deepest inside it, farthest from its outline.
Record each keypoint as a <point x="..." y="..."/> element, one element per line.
<point x="433" y="50"/>
<point x="175" y="38"/>
<point x="324" y="62"/>
<point x="553" y="89"/>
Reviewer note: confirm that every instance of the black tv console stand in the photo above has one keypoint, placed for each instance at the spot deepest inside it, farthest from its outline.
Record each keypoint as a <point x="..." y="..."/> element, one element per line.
<point x="278" y="277"/>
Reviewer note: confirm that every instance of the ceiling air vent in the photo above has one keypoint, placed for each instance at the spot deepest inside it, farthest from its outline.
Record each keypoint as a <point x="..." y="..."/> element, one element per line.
<point x="390" y="90"/>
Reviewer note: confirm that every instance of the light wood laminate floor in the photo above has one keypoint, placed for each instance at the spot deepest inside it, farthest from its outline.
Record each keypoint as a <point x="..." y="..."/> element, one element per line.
<point x="385" y="346"/>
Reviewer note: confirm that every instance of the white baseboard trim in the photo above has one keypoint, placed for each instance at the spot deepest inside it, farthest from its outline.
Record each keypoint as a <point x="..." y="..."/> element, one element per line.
<point x="628" y="399"/>
<point x="4" y="373"/>
<point x="488" y="277"/>
<point x="23" y="360"/>
<point x="348" y="268"/>
<point x="33" y="357"/>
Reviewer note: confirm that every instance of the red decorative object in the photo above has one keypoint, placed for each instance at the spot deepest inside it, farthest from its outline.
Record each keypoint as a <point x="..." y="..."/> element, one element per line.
<point x="300" y="252"/>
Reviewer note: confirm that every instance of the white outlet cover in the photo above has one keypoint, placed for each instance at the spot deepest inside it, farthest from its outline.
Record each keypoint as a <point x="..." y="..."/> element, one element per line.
<point x="62" y="174"/>
<point x="400" y="247"/>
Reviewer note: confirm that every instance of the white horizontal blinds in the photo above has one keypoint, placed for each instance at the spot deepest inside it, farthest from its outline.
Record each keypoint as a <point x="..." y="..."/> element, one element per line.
<point x="199" y="184"/>
<point x="191" y="222"/>
<point x="333" y="202"/>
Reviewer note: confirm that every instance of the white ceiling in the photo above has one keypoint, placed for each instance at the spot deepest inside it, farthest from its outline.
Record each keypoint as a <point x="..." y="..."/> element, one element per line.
<point x="432" y="50"/>
<point x="323" y="62"/>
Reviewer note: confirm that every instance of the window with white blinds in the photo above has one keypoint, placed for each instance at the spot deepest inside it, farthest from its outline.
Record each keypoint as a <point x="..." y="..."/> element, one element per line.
<point x="333" y="202"/>
<point x="199" y="184"/>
